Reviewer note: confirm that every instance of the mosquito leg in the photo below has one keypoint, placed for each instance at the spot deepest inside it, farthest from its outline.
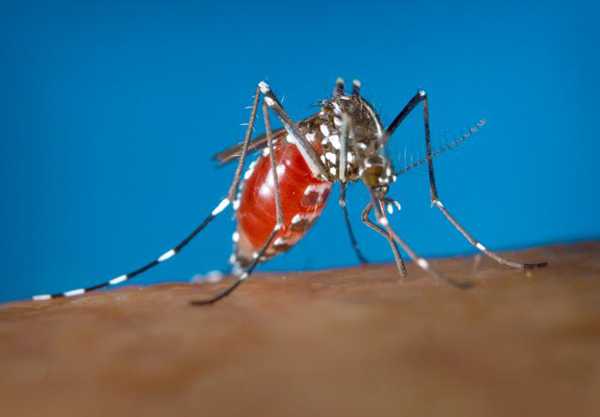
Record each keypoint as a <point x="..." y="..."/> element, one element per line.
<point x="397" y="256"/>
<point x="306" y="150"/>
<point x="278" y="206"/>
<point x="304" y="147"/>
<point x="278" y="225"/>
<point x="244" y="275"/>
<point x="342" y="166"/>
<point x="421" y="262"/>
<point x="421" y="96"/>
<point x="353" y="241"/>
<point x="231" y="194"/>
<point x="479" y="245"/>
<point x="177" y="248"/>
<point x="162" y="258"/>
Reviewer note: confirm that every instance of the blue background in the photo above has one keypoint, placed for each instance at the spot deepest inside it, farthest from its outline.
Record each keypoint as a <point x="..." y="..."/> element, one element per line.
<point x="110" y="112"/>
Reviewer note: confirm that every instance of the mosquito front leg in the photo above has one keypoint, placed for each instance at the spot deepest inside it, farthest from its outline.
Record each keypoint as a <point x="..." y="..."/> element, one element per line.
<point x="421" y="96"/>
<point x="388" y="231"/>
<point x="397" y="256"/>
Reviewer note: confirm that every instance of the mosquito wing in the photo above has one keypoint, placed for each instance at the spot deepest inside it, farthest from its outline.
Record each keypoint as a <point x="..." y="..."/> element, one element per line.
<point x="258" y="143"/>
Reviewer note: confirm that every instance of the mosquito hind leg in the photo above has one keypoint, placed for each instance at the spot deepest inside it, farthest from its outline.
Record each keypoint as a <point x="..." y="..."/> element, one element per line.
<point x="223" y="204"/>
<point x="304" y="147"/>
<point x="270" y="102"/>
<point x="231" y="194"/>
<point x="257" y="256"/>
<point x="387" y="230"/>
<point x="421" y="96"/>
<point x="243" y="275"/>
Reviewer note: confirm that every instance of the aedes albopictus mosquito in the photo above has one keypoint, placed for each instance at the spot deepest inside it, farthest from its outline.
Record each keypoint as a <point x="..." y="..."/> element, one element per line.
<point x="282" y="193"/>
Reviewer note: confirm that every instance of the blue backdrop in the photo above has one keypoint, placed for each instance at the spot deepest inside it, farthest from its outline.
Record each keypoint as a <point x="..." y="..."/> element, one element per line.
<point x="111" y="110"/>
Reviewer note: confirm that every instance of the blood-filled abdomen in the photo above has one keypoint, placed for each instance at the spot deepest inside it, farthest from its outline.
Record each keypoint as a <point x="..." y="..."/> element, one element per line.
<point x="302" y="198"/>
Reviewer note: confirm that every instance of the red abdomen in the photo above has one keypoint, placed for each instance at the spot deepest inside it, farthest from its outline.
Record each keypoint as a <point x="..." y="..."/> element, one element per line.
<point x="302" y="198"/>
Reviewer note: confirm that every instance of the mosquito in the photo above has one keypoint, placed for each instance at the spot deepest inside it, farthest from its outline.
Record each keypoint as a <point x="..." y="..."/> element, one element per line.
<point x="282" y="193"/>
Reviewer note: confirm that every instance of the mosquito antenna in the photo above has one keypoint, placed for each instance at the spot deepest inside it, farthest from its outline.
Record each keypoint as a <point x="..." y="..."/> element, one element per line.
<point x="442" y="149"/>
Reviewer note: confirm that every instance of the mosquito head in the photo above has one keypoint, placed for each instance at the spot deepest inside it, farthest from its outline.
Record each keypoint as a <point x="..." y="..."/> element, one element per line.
<point x="364" y="121"/>
<point x="376" y="173"/>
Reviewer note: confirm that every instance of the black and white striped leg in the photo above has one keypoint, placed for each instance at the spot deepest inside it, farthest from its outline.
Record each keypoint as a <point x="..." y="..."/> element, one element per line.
<point x="278" y="225"/>
<point x="353" y="241"/>
<point x="162" y="258"/>
<point x="397" y="256"/>
<point x="421" y="262"/>
<point x="176" y="249"/>
<point x="421" y="96"/>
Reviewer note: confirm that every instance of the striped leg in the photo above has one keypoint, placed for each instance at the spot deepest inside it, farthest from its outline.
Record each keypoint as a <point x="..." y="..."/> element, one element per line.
<point x="176" y="249"/>
<point x="421" y="96"/>
<point x="162" y="258"/>
<point x="278" y="225"/>
<point x="421" y="262"/>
